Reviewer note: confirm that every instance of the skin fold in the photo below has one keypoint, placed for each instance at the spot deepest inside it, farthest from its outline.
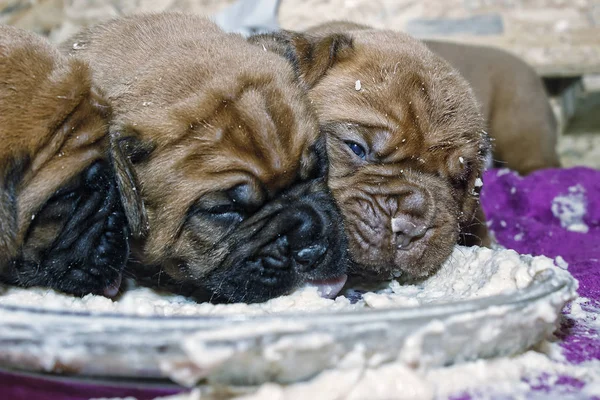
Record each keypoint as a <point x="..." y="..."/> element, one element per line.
<point x="229" y="166"/>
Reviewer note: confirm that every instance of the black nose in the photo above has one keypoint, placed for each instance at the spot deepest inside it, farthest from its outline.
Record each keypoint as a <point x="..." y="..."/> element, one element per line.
<point x="306" y="237"/>
<point x="307" y="257"/>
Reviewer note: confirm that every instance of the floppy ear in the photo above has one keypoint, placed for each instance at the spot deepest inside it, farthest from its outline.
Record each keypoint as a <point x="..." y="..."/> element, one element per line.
<point x="127" y="183"/>
<point x="10" y="176"/>
<point x="311" y="55"/>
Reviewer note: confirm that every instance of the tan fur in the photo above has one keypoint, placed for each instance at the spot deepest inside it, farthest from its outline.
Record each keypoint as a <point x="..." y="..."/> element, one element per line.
<point x="425" y="140"/>
<point x="52" y="126"/>
<point x="514" y="104"/>
<point x="511" y="96"/>
<point x="199" y="112"/>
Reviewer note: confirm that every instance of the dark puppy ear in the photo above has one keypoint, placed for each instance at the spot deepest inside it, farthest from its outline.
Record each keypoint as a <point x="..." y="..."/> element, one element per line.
<point x="122" y="151"/>
<point x="310" y="55"/>
<point x="11" y="173"/>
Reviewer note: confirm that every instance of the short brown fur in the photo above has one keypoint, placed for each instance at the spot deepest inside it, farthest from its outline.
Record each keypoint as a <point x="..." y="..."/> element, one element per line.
<point x="53" y="126"/>
<point x="198" y="112"/>
<point x="424" y="137"/>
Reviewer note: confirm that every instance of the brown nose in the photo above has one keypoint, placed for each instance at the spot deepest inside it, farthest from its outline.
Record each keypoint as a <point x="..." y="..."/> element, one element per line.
<point x="409" y="224"/>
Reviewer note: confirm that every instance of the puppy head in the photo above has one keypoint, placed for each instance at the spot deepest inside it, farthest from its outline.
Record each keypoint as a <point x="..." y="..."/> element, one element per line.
<point x="66" y="227"/>
<point x="405" y="142"/>
<point x="229" y="160"/>
<point x="236" y="198"/>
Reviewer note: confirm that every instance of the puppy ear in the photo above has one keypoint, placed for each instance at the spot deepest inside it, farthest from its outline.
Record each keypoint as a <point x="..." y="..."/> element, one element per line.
<point x="311" y="55"/>
<point x="127" y="182"/>
<point x="10" y="175"/>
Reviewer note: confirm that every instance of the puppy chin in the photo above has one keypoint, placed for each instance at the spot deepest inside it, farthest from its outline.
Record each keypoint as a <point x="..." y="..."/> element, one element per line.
<point x="77" y="242"/>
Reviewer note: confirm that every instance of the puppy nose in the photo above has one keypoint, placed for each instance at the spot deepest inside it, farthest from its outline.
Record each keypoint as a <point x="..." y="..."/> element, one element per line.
<point x="407" y="230"/>
<point x="408" y="224"/>
<point x="307" y="257"/>
<point x="305" y="238"/>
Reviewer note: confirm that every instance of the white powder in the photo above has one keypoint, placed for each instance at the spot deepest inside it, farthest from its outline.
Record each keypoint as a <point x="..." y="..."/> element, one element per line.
<point x="570" y="208"/>
<point x="470" y="272"/>
<point x="327" y="363"/>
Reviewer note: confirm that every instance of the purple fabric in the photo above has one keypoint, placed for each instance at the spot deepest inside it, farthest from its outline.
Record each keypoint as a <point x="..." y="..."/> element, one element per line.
<point x="17" y="386"/>
<point x="520" y="213"/>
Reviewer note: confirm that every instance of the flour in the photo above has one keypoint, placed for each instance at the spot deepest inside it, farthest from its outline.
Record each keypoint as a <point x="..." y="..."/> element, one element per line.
<point x="470" y="272"/>
<point x="305" y="350"/>
<point x="570" y="209"/>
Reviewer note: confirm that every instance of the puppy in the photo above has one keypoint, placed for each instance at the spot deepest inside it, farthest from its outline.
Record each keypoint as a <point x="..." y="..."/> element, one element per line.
<point x="227" y="154"/>
<point x="62" y="223"/>
<point x="513" y="101"/>
<point x="511" y="97"/>
<point x="405" y="140"/>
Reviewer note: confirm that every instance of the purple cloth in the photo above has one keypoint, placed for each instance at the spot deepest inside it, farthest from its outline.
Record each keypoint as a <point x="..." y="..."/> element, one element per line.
<point x="522" y="213"/>
<point x="24" y="386"/>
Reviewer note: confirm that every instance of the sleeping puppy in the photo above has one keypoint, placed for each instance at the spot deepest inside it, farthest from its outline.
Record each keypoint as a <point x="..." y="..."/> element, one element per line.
<point x="514" y="104"/>
<point x="227" y="155"/>
<point x="405" y="140"/>
<point x="62" y="224"/>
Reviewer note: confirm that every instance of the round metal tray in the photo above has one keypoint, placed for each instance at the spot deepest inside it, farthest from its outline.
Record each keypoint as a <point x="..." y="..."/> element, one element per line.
<point x="247" y="350"/>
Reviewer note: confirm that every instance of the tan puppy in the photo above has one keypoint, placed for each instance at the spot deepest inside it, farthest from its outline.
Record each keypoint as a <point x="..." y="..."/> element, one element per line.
<point x="514" y="104"/>
<point x="227" y="154"/>
<point x="405" y="140"/>
<point x="62" y="224"/>
<point x="511" y="96"/>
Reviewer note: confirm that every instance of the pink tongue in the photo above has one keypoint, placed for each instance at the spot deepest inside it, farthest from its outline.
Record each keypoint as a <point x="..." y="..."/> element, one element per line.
<point x="112" y="289"/>
<point x="329" y="288"/>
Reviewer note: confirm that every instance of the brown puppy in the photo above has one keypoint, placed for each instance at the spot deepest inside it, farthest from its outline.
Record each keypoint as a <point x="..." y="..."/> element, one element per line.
<point x="511" y="96"/>
<point x="62" y="224"/>
<point x="405" y="140"/>
<point x="227" y="154"/>
<point x="513" y="101"/>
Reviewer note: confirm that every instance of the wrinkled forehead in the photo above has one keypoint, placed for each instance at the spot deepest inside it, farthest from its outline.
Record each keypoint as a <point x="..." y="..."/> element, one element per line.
<point x="400" y="91"/>
<point x="262" y="134"/>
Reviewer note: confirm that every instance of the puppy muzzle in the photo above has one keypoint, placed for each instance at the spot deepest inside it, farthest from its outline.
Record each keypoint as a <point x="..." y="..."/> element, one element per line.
<point x="297" y="238"/>
<point x="90" y="250"/>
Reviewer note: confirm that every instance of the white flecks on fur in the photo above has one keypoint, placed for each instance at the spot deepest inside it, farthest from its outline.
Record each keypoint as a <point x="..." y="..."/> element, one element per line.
<point x="357" y="85"/>
<point x="78" y="46"/>
<point x="461" y="160"/>
<point x="478" y="182"/>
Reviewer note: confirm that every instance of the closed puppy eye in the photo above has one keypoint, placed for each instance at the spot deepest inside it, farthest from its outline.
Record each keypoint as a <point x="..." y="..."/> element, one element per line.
<point x="228" y="214"/>
<point x="218" y="206"/>
<point x="357" y="149"/>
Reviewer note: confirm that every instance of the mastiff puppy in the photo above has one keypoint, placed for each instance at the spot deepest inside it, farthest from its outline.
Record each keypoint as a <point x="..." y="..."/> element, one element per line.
<point x="227" y="158"/>
<point x="62" y="223"/>
<point x="405" y="140"/>
<point x="513" y="101"/>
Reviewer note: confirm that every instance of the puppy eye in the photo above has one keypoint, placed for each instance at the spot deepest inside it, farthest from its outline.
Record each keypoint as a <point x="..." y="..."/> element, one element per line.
<point x="357" y="149"/>
<point x="218" y="207"/>
<point x="227" y="213"/>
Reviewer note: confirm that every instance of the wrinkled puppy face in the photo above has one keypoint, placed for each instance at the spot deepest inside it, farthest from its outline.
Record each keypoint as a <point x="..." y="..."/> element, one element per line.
<point x="228" y="156"/>
<point x="68" y="229"/>
<point x="238" y="207"/>
<point x="405" y="144"/>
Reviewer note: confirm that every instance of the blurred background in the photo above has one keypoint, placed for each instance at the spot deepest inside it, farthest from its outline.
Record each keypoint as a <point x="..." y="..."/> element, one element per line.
<point x="559" y="38"/>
